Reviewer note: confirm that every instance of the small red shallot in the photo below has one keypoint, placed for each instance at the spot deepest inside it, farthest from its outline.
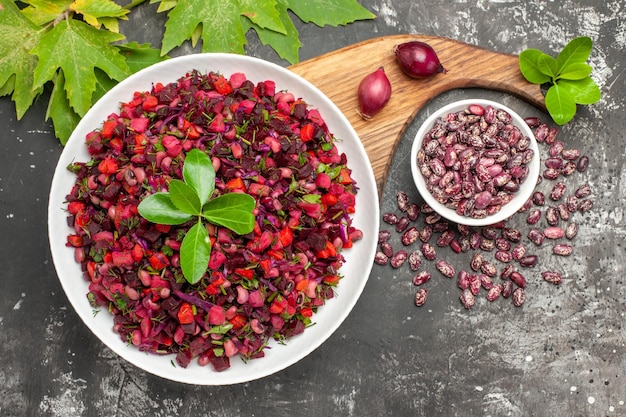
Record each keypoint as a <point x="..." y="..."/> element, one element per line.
<point x="418" y="59"/>
<point x="373" y="94"/>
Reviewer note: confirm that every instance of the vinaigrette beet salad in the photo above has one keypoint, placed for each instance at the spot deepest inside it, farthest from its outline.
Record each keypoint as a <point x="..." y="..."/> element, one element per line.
<point x="259" y="286"/>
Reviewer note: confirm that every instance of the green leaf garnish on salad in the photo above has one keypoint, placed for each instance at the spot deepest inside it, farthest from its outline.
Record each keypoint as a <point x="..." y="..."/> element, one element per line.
<point x="189" y="200"/>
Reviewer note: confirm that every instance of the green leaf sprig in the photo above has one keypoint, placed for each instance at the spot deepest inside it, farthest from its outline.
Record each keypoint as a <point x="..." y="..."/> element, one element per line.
<point x="568" y="76"/>
<point x="191" y="199"/>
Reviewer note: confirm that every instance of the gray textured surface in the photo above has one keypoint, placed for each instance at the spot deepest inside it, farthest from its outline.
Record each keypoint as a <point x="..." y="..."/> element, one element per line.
<point x="562" y="354"/>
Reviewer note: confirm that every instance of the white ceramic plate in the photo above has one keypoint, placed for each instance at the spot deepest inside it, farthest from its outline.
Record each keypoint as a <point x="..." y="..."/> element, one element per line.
<point x="525" y="190"/>
<point x="359" y="258"/>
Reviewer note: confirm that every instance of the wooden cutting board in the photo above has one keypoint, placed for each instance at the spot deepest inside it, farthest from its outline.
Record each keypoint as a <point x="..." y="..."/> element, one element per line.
<point x="339" y="73"/>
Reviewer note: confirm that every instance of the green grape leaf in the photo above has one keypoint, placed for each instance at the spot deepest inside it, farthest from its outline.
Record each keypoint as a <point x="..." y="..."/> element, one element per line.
<point x="286" y="45"/>
<point x="63" y="117"/>
<point x="77" y="48"/>
<point x="222" y="30"/>
<point x="329" y="12"/>
<point x="560" y="104"/>
<point x="43" y="12"/>
<point x="19" y="35"/>
<point x="184" y="197"/>
<point x="199" y="174"/>
<point x="575" y="71"/>
<point x="164" y="5"/>
<point x="528" y="64"/>
<point x="140" y="56"/>
<point x="158" y="208"/>
<point x="111" y="23"/>
<point x="233" y="211"/>
<point x="195" y="252"/>
<point x="584" y="91"/>
<point x="576" y="51"/>
<point x="93" y="10"/>
<point x="137" y="58"/>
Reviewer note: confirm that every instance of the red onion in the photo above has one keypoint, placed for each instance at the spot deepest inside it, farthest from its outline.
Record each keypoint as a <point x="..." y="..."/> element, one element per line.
<point x="418" y="59"/>
<point x="374" y="93"/>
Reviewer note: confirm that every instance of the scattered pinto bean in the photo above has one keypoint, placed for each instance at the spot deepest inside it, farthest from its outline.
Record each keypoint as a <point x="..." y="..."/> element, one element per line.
<point x="571" y="230"/>
<point x="475" y="284"/>
<point x="562" y="249"/>
<point x="563" y="211"/>
<point x="415" y="260"/>
<point x="426" y="233"/>
<point x="583" y="191"/>
<point x="532" y="121"/>
<point x="552" y="277"/>
<point x="528" y="261"/>
<point x="494" y="292"/>
<point x="421" y="296"/>
<point x="487" y="245"/>
<point x="488" y="269"/>
<point x="475" y="240"/>
<point x="398" y="259"/>
<point x="553" y="163"/>
<point x="518" y="251"/>
<point x="503" y="256"/>
<point x="381" y="259"/>
<point x="445" y="238"/>
<point x="477" y="261"/>
<point x="387" y="249"/>
<point x="421" y="278"/>
<point x="552" y="216"/>
<point x="553" y="232"/>
<point x="445" y="268"/>
<point x="390" y="218"/>
<point x="570" y="154"/>
<point x="518" y="279"/>
<point x="409" y="236"/>
<point x="402" y="224"/>
<point x="568" y="168"/>
<point x="428" y="251"/>
<point x="467" y="298"/>
<point x="551" y="173"/>
<point x="413" y="211"/>
<point x="384" y="236"/>
<point x="485" y="281"/>
<point x="463" y="279"/>
<point x="585" y="206"/>
<point x="507" y="289"/>
<point x="403" y="201"/>
<point x="512" y="235"/>
<point x="539" y="198"/>
<point x="556" y="148"/>
<point x="558" y="191"/>
<point x="571" y="203"/>
<point x="533" y="216"/>
<point x="536" y="236"/>
<point x="519" y="297"/>
<point x="502" y="244"/>
<point x="583" y="163"/>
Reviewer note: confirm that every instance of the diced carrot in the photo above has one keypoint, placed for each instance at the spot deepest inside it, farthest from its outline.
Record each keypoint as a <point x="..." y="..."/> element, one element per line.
<point x="307" y="132"/>
<point x="149" y="103"/>
<point x="107" y="128"/>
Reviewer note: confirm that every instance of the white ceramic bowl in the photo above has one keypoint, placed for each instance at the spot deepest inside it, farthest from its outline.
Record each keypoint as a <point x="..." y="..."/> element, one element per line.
<point x="359" y="259"/>
<point x="521" y="196"/>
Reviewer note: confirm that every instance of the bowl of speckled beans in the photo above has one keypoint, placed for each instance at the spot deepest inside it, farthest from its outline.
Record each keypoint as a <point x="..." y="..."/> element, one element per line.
<point x="475" y="162"/>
